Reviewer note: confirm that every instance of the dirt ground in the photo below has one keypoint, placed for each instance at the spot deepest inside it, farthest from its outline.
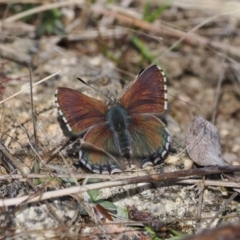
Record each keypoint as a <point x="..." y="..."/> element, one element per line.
<point x="198" y="47"/>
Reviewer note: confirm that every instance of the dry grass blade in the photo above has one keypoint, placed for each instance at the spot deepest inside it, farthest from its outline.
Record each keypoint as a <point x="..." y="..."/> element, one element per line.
<point x="41" y="9"/>
<point x="35" y="84"/>
<point x="188" y="37"/>
<point x="149" y="178"/>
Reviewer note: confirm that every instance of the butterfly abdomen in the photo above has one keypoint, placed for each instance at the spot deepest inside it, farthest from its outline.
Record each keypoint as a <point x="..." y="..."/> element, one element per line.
<point x="124" y="144"/>
<point x="118" y="123"/>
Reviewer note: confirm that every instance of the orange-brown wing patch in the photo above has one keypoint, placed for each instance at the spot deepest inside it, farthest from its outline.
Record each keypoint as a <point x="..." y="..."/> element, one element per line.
<point x="99" y="151"/>
<point x="148" y="94"/>
<point x="78" y="110"/>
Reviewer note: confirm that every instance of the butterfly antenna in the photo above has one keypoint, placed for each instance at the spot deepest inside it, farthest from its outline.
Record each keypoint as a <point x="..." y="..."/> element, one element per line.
<point x="82" y="81"/>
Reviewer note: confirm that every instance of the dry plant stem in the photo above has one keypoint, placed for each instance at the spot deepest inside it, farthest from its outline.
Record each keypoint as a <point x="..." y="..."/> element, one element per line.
<point x="94" y="34"/>
<point x="68" y="170"/>
<point x="9" y="166"/>
<point x="191" y="181"/>
<point x="32" y="147"/>
<point x="13" y="162"/>
<point x="209" y="183"/>
<point x="218" y="90"/>
<point x="79" y="196"/>
<point x="200" y="201"/>
<point x="18" y="167"/>
<point x="117" y="177"/>
<point x="191" y="39"/>
<point x="188" y="37"/>
<point x="220" y="211"/>
<point x="32" y="108"/>
<point x="165" y="177"/>
<point x="42" y="8"/>
<point x="35" y="84"/>
<point x="36" y="164"/>
<point x="9" y="137"/>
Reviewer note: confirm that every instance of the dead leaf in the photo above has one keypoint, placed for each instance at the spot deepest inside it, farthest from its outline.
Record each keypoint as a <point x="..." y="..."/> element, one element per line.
<point x="203" y="143"/>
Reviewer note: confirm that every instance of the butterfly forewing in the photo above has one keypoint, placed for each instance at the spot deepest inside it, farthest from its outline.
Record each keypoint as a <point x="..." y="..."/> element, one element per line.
<point x="79" y="111"/>
<point x="148" y="94"/>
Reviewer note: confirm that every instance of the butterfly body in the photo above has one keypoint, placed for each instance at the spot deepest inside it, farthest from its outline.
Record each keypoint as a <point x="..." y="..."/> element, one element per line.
<point x="117" y="118"/>
<point x="119" y="122"/>
<point x="125" y="133"/>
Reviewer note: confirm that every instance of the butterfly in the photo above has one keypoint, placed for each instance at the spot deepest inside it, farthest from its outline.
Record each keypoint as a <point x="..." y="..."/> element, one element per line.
<point x="123" y="133"/>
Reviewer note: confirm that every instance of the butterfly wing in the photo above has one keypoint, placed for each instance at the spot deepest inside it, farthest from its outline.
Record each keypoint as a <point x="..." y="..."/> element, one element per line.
<point x="99" y="152"/>
<point x="150" y="139"/>
<point x="148" y="94"/>
<point x="78" y="110"/>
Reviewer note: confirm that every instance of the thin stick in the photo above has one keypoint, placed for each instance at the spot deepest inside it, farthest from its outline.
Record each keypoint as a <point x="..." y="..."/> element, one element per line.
<point x="42" y="8"/>
<point x="166" y="177"/>
<point x="191" y="181"/>
<point x="222" y="209"/>
<point x="36" y="164"/>
<point x="19" y="168"/>
<point x="200" y="200"/>
<point x="35" y="84"/>
<point x="32" y="107"/>
<point x="190" y="37"/>
<point x="218" y="90"/>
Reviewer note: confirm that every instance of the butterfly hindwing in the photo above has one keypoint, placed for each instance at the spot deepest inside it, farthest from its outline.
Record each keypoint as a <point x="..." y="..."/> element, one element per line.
<point x="147" y="94"/>
<point x="150" y="139"/>
<point x="78" y="110"/>
<point x="99" y="151"/>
